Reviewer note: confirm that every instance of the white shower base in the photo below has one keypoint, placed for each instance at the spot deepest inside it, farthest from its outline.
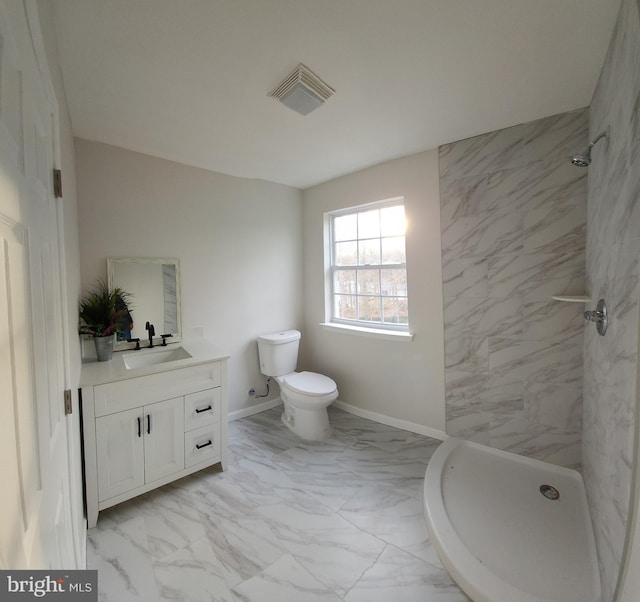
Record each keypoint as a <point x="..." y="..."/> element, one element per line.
<point x="499" y="537"/>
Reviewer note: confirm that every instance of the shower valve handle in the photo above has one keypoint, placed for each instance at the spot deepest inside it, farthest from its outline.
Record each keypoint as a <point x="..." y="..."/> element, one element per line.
<point x="599" y="316"/>
<point x="594" y="316"/>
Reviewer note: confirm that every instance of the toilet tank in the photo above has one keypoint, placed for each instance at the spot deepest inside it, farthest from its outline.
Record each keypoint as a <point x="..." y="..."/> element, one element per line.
<point x="278" y="352"/>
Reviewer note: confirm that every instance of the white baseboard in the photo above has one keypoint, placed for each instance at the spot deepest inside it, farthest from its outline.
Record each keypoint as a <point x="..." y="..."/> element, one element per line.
<point x="256" y="409"/>
<point x="405" y="425"/>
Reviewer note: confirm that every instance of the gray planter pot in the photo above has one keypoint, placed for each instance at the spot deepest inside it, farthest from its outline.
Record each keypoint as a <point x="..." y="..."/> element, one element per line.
<point x="104" y="348"/>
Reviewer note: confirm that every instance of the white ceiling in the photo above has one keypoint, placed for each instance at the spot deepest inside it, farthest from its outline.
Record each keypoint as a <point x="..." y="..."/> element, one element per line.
<point x="188" y="80"/>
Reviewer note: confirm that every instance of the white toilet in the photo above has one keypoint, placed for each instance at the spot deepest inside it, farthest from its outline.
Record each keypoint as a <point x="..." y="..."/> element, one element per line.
<point x="306" y="395"/>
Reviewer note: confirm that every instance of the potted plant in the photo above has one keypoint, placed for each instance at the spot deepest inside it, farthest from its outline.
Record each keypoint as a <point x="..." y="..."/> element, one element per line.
<point x="103" y="313"/>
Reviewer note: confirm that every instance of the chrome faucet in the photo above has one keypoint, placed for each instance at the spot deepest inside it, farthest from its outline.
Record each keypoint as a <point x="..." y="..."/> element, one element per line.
<point x="152" y="332"/>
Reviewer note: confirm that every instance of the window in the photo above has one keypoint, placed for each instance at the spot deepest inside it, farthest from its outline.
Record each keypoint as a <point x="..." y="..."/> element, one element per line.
<point x="368" y="266"/>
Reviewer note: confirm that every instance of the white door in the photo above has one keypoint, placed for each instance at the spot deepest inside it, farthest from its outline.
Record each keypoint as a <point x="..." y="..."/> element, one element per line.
<point x="35" y="508"/>
<point x="164" y="438"/>
<point x="120" y="453"/>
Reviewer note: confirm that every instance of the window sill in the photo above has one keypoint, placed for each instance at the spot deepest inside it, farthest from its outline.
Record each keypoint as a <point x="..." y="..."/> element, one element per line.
<point x="372" y="333"/>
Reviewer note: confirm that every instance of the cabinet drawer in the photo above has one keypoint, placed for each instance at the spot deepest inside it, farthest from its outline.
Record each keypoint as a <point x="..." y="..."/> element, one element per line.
<point x="202" y="444"/>
<point x="134" y="392"/>
<point x="201" y="408"/>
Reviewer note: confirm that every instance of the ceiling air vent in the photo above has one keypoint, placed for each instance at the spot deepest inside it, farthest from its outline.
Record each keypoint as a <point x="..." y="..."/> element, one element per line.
<point x="302" y="90"/>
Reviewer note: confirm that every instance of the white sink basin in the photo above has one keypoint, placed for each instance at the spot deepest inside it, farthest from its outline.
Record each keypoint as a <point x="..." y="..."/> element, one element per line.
<point x="140" y="359"/>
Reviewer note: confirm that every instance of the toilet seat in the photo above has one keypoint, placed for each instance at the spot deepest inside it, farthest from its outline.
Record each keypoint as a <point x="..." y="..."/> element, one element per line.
<point x="309" y="383"/>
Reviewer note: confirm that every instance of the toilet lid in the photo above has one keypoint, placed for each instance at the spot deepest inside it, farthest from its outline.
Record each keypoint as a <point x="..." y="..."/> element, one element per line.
<point x="310" y="383"/>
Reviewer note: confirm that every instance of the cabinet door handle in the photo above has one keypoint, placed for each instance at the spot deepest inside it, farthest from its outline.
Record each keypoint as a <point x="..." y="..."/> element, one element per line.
<point x="139" y="427"/>
<point x="204" y="444"/>
<point x="148" y="424"/>
<point x="199" y="410"/>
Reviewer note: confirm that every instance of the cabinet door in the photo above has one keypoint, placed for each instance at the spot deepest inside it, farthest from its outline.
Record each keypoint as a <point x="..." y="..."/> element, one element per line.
<point x="120" y="453"/>
<point x="163" y="438"/>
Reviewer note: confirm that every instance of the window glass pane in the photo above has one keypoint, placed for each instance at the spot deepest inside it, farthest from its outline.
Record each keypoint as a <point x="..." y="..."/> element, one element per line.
<point x="369" y="224"/>
<point x="395" y="310"/>
<point x="369" y="252"/>
<point x="393" y="250"/>
<point x="345" y="253"/>
<point x="394" y="283"/>
<point x="345" y="307"/>
<point x="368" y="282"/>
<point x="369" y="309"/>
<point x="345" y="227"/>
<point x="392" y="221"/>
<point x="344" y="281"/>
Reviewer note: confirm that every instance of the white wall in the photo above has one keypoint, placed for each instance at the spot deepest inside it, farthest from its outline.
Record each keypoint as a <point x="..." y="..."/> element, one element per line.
<point x="239" y="243"/>
<point x="399" y="380"/>
<point x="71" y="283"/>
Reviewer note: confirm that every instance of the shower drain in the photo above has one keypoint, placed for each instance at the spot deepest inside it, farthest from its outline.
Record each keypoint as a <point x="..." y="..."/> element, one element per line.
<point x="550" y="492"/>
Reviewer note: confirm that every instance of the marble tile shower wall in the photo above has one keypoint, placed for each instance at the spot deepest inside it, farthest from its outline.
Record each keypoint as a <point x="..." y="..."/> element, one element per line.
<point x="613" y="272"/>
<point x="513" y="218"/>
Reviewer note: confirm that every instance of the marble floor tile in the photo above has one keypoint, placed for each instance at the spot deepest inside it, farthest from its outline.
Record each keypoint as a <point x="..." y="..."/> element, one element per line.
<point x="374" y="465"/>
<point x="328" y="546"/>
<point x="390" y="515"/>
<point x="289" y="521"/>
<point x="397" y="575"/>
<point x="384" y="437"/>
<point x="120" y="553"/>
<point x="171" y="521"/>
<point x="191" y="574"/>
<point x="285" y="581"/>
<point x="328" y="481"/>
<point x="418" y="448"/>
<point x="242" y="546"/>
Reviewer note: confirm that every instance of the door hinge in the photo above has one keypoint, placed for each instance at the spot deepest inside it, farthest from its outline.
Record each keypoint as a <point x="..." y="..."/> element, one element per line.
<point x="57" y="183"/>
<point x="67" y="402"/>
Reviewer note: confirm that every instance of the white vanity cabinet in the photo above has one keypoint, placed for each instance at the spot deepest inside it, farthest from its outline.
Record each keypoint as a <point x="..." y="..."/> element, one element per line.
<point x="141" y="432"/>
<point x="139" y="446"/>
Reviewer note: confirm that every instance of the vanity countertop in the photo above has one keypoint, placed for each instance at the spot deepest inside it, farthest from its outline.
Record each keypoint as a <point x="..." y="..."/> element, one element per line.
<point x="201" y="351"/>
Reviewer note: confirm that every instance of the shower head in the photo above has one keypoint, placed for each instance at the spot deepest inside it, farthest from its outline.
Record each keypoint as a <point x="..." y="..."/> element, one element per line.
<point x="584" y="159"/>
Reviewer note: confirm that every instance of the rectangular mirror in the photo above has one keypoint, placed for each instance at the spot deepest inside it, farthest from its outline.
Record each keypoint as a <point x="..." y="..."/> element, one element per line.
<point x="154" y="286"/>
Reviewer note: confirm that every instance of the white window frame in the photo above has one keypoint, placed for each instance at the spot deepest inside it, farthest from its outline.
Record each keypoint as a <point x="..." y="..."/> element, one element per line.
<point x="358" y="326"/>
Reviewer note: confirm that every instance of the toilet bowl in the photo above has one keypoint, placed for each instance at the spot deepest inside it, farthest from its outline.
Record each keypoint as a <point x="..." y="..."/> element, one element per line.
<point x="306" y="395"/>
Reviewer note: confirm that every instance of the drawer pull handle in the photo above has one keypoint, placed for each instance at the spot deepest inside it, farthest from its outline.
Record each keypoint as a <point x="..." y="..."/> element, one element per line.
<point x="199" y="410"/>
<point x="204" y="444"/>
<point x="139" y="427"/>
<point x="148" y="424"/>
